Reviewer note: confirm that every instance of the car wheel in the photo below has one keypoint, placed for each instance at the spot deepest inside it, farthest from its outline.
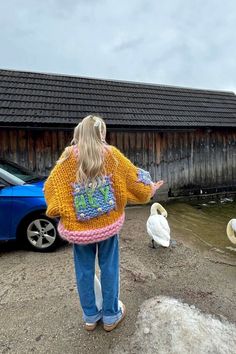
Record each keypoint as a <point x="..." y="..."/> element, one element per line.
<point x="40" y="233"/>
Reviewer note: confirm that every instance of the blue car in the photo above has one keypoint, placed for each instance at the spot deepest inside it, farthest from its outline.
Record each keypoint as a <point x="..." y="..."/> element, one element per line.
<point x="22" y="209"/>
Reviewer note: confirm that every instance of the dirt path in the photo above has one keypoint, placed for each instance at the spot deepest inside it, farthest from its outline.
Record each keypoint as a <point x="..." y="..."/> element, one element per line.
<point x="39" y="306"/>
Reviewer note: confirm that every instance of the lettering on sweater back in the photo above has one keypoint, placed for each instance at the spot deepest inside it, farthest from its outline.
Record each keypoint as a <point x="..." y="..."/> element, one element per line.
<point x="92" y="202"/>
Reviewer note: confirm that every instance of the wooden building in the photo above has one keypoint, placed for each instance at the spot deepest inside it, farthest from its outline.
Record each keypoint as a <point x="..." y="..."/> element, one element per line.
<point x="185" y="136"/>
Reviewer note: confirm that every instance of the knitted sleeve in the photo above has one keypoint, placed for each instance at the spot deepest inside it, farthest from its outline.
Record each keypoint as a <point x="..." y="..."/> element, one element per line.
<point x="140" y="187"/>
<point x="51" y="188"/>
<point x="50" y="195"/>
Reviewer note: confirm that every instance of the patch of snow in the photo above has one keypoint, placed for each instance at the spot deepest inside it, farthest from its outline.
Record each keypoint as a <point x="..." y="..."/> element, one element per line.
<point x="168" y="326"/>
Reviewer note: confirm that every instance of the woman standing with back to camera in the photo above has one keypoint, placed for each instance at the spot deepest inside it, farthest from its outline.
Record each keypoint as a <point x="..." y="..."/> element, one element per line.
<point x="88" y="190"/>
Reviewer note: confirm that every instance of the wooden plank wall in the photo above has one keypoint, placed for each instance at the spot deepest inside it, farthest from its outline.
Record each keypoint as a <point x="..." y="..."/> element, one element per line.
<point x="35" y="149"/>
<point x="183" y="159"/>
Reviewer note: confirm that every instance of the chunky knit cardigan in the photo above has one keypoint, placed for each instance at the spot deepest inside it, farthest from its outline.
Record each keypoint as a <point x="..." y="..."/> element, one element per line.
<point x="87" y="215"/>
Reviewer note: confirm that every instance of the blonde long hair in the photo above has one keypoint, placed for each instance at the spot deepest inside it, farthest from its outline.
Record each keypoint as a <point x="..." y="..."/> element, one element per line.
<point x="89" y="136"/>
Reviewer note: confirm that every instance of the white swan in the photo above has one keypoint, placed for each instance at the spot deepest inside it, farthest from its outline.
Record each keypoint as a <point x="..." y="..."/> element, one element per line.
<point x="157" y="226"/>
<point x="231" y="230"/>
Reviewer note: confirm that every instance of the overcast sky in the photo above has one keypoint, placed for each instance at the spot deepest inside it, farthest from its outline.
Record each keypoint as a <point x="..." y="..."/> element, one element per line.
<point x="176" y="42"/>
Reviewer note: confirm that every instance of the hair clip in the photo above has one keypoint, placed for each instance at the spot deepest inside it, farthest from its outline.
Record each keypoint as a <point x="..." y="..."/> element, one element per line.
<point x="97" y="123"/>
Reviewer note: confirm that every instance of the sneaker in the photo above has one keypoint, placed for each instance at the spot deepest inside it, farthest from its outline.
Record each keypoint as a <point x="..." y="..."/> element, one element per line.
<point x="90" y="326"/>
<point x="112" y="326"/>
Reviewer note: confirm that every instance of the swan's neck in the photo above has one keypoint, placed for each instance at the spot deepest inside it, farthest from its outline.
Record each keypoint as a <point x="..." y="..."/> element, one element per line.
<point x="156" y="207"/>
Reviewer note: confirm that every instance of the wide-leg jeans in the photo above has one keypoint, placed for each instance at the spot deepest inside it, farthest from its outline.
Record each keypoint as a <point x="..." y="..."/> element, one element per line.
<point x="108" y="260"/>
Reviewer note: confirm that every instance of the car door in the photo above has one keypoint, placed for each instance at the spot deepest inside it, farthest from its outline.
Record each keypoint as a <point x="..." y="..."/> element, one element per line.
<point x="5" y="210"/>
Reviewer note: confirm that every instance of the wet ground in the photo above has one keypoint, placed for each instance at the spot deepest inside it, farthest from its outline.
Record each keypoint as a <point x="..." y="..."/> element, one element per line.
<point x="39" y="306"/>
<point x="204" y="222"/>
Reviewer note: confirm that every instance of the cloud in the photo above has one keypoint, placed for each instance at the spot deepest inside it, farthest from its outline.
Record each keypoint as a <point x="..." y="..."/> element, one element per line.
<point x="166" y="42"/>
<point x="123" y="44"/>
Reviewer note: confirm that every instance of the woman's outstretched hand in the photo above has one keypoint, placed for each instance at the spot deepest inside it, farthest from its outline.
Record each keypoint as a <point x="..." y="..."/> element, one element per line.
<point x="159" y="184"/>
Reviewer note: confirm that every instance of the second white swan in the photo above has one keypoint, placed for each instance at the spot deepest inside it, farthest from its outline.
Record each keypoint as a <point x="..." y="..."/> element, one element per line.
<point x="231" y="230"/>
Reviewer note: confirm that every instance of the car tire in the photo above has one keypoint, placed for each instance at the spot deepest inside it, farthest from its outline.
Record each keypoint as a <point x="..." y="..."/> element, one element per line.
<point x="39" y="233"/>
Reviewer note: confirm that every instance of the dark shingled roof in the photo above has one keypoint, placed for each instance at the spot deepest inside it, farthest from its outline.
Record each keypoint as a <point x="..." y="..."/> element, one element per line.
<point x="28" y="98"/>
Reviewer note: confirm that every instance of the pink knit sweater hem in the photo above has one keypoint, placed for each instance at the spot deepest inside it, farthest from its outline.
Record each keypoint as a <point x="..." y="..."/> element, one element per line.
<point x="91" y="236"/>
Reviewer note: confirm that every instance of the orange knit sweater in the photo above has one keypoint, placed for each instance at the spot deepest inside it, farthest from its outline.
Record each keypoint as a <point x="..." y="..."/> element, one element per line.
<point x="88" y="216"/>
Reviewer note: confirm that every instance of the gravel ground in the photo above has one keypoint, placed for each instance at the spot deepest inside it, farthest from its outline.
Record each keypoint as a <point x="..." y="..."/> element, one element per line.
<point x="39" y="305"/>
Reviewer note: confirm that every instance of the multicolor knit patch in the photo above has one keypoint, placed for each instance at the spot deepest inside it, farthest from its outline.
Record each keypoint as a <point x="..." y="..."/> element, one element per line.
<point x="144" y="176"/>
<point x="91" y="202"/>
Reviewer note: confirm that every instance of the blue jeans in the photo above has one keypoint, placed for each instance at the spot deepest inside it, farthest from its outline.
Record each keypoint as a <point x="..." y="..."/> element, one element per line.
<point x="108" y="260"/>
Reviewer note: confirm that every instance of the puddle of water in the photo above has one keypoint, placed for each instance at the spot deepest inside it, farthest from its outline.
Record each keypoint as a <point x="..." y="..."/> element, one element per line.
<point x="205" y="222"/>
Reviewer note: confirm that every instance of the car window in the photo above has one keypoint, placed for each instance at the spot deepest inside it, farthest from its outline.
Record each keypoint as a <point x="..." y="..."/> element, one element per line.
<point x="3" y="182"/>
<point x="17" y="171"/>
<point x="10" y="178"/>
